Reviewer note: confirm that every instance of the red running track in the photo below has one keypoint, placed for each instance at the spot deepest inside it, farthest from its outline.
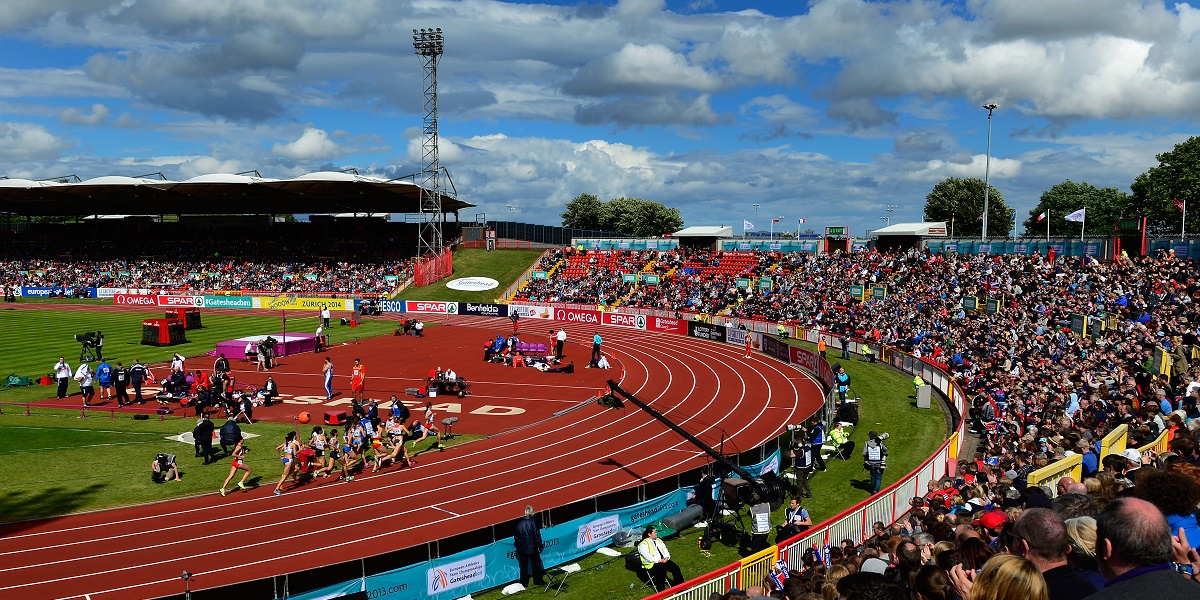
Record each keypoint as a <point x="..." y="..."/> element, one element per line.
<point x="138" y="552"/>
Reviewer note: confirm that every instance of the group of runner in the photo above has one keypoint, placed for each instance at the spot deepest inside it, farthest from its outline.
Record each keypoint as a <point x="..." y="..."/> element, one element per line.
<point x="366" y="441"/>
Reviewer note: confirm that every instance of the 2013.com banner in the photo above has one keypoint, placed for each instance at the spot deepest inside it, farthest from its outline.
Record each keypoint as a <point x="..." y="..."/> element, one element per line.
<point x="495" y="564"/>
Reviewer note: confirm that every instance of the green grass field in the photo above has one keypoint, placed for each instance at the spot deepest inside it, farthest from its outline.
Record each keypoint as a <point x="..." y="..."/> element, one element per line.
<point x="502" y="265"/>
<point x="56" y="463"/>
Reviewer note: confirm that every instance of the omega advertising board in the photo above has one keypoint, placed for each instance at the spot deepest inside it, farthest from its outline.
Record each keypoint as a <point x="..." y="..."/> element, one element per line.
<point x="706" y="331"/>
<point x="134" y="300"/>
<point x="570" y="315"/>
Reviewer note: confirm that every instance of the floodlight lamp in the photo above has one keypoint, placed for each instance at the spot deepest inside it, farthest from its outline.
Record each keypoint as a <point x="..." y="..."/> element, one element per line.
<point x="991" y="106"/>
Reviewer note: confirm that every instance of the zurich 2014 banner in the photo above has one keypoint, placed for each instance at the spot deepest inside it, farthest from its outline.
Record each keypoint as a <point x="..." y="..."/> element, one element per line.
<point x="495" y="565"/>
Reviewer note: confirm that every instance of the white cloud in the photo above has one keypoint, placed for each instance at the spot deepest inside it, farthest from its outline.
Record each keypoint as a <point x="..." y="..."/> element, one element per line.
<point x="74" y="116"/>
<point x="313" y="144"/>
<point x="1000" y="168"/>
<point x="29" y="142"/>
<point x="640" y="69"/>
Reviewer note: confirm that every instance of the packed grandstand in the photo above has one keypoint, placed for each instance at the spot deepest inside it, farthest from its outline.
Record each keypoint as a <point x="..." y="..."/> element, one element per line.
<point x="1042" y="387"/>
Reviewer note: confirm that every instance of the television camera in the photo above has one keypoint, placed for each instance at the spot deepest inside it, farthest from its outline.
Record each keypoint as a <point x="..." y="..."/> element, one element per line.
<point x="87" y="351"/>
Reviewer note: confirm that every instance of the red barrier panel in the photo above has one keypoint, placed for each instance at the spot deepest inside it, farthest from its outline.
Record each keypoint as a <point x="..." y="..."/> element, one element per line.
<point x="667" y="325"/>
<point x="431" y="269"/>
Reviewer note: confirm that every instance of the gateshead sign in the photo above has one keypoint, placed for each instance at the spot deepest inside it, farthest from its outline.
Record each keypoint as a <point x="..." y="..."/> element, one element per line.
<point x="667" y="325"/>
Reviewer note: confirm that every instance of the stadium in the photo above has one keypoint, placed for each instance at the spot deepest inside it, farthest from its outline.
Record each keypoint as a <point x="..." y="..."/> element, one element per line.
<point x="335" y="385"/>
<point x="544" y="439"/>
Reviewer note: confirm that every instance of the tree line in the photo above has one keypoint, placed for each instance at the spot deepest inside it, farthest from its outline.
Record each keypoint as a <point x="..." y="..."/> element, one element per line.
<point x="1156" y="195"/>
<point x="628" y="216"/>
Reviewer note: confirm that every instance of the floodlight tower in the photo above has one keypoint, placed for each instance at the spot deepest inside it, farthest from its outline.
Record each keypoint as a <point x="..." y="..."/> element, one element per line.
<point x="429" y="45"/>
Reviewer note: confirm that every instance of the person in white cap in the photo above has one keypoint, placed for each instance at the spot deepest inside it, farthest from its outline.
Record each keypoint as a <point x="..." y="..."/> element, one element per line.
<point x="1135" y="462"/>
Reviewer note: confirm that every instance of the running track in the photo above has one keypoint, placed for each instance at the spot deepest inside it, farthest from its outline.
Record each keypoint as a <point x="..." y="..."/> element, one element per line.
<point x="707" y="388"/>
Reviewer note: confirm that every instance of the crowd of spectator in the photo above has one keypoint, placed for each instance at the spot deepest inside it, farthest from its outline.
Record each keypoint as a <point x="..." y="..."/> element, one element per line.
<point x="285" y="261"/>
<point x="200" y="276"/>
<point x="1039" y="391"/>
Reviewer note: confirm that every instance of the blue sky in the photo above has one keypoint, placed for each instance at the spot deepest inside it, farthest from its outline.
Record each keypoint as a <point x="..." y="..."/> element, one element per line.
<point x="826" y="110"/>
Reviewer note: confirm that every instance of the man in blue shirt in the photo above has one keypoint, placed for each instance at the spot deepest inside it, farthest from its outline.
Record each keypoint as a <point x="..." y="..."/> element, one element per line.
<point x="104" y="378"/>
<point x="595" y="350"/>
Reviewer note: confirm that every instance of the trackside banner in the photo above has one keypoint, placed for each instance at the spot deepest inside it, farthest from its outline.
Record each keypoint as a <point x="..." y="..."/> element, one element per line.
<point x="706" y="331"/>
<point x="196" y="301"/>
<point x="134" y="300"/>
<point x="228" y="302"/>
<point x="495" y="564"/>
<point x="571" y="315"/>
<point x="431" y="307"/>
<point x="665" y="325"/>
<point x="483" y="310"/>
<point x="51" y="292"/>
<point x="623" y="320"/>
<point x="290" y="302"/>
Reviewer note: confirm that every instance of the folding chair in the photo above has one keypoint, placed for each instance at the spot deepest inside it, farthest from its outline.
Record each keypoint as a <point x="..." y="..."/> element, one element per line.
<point x="565" y="571"/>
<point x="649" y="580"/>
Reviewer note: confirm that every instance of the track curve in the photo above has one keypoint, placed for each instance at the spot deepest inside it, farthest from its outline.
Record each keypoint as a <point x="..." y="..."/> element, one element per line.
<point x="707" y="388"/>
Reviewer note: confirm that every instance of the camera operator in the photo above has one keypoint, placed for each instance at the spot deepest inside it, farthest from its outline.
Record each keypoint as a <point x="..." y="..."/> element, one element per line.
<point x="162" y="467"/>
<point x="802" y="462"/>
<point x="875" y="459"/>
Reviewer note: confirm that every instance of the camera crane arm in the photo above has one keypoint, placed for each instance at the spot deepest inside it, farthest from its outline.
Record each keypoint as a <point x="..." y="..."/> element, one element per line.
<point x="614" y="400"/>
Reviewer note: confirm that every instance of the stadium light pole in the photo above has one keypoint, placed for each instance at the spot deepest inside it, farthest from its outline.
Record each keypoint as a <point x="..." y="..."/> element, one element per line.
<point x="987" y="164"/>
<point x="889" y="208"/>
<point x="755" y="205"/>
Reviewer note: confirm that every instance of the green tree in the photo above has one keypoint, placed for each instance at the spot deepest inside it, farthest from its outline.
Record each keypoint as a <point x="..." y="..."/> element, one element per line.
<point x="1177" y="176"/>
<point x="1104" y="206"/>
<point x="962" y="201"/>
<point x="630" y="216"/>
<point x="583" y="212"/>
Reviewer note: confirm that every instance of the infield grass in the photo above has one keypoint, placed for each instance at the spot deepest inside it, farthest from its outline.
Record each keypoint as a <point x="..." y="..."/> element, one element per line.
<point x="502" y="265"/>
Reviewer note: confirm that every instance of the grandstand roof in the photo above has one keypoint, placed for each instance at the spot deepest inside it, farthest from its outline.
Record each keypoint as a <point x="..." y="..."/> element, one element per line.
<point x="721" y="231"/>
<point x="322" y="192"/>
<point x="931" y="229"/>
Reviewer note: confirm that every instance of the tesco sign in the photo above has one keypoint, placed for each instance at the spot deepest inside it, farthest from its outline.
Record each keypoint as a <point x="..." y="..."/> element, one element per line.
<point x="197" y="301"/>
<point x="571" y="315"/>
<point x="134" y="300"/>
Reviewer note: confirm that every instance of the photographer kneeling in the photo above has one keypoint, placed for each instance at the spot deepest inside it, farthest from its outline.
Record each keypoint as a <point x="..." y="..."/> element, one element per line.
<point x="795" y="520"/>
<point x="163" y="467"/>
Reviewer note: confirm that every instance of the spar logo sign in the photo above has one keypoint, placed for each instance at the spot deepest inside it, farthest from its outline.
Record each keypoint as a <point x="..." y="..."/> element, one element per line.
<point x="577" y="316"/>
<point x="803" y="358"/>
<point x="456" y="574"/>
<point x="197" y="301"/>
<point x="425" y="306"/>
<point x="597" y="532"/>
<point x="134" y="300"/>
<point x="620" y="320"/>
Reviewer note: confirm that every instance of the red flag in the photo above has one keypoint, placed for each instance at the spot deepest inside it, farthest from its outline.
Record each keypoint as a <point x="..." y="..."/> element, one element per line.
<point x="1178" y="203"/>
<point x="774" y="220"/>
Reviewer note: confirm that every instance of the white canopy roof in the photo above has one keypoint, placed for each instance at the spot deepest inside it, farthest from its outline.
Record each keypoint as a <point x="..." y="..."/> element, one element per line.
<point x="932" y="229"/>
<point x="721" y="231"/>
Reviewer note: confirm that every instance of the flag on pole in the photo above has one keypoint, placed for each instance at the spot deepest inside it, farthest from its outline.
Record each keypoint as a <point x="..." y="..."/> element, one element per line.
<point x="774" y="220"/>
<point x="1042" y="216"/>
<point x="747" y="225"/>
<point x="1076" y="216"/>
<point x="1179" y="203"/>
<point x="803" y="221"/>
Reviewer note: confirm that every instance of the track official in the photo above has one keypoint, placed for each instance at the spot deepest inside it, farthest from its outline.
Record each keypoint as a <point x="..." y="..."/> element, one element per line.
<point x="528" y="541"/>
